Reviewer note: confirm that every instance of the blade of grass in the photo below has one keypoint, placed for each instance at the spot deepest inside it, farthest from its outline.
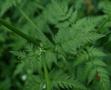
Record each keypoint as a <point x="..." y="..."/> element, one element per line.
<point x="18" y="32"/>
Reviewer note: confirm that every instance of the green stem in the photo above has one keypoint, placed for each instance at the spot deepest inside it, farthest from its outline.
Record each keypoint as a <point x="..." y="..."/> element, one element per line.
<point x="47" y="78"/>
<point x="44" y="39"/>
<point x="18" y="32"/>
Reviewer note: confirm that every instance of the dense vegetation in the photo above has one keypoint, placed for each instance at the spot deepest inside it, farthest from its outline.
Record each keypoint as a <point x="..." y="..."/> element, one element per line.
<point x="55" y="44"/>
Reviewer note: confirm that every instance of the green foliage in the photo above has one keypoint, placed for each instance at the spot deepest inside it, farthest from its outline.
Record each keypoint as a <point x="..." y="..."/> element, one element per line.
<point x="59" y="45"/>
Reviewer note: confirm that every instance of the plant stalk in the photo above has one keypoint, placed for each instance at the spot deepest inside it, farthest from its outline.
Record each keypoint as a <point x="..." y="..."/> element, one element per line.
<point x="46" y="74"/>
<point x="48" y="87"/>
<point x="44" y="39"/>
<point x="18" y="32"/>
